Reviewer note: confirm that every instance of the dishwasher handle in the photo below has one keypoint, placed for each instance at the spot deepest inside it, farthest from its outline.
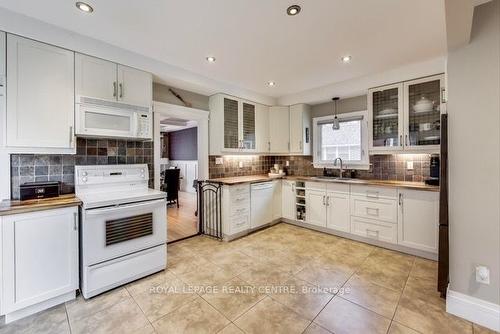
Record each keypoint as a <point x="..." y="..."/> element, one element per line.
<point x="260" y="186"/>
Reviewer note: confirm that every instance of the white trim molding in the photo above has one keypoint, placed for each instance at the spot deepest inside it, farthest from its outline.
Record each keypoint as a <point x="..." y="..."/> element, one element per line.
<point x="473" y="309"/>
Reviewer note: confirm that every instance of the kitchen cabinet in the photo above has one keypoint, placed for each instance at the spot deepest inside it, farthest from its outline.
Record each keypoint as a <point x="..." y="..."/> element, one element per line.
<point x="41" y="97"/>
<point x="236" y="209"/>
<point x="102" y="79"/>
<point x="277" y="199"/>
<point x="233" y="125"/>
<point x="316" y="207"/>
<point x="3" y="41"/>
<point x="418" y="219"/>
<point x="300" y="129"/>
<point x="406" y="116"/>
<point x="288" y="199"/>
<point x="39" y="253"/>
<point x="279" y="125"/>
<point x="263" y="143"/>
<point x="337" y="211"/>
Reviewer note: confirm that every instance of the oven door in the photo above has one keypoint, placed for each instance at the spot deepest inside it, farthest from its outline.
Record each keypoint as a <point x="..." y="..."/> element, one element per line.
<point x="100" y="121"/>
<point x="111" y="232"/>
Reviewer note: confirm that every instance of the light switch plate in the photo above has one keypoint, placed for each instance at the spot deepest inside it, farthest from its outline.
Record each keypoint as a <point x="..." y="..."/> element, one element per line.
<point x="219" y="161"/>
<point x="409" y="165"/>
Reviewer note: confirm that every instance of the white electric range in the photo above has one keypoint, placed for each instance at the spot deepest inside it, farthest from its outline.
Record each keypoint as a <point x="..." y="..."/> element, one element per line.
<point x="123" y="230"/>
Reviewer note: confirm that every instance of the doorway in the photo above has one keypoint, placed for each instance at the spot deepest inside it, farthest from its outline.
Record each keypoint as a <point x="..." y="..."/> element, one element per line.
<point x="180" y="159"/>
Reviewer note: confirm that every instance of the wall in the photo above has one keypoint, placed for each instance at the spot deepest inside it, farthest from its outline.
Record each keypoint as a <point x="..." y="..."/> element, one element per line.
<point x="357" y="103"/>
<point x="183" y="144"/>
<point x="57" y="167"/>
<point x="473" y="76"/>
<point x="162" y="94"/>
<point x="383" y="167"/>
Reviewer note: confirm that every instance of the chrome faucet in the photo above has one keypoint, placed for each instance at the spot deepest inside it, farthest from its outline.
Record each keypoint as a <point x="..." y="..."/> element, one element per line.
<point x="341" y="166"/>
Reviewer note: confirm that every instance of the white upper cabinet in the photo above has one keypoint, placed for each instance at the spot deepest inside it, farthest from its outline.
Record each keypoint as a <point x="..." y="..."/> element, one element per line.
<point x="300" y="129"/>
<point x="235" y="126"/>
<point x="40" y="90"/>
<point x="102" y="79"/>
<point x="406" y="116"/>
<point x="279" y="125"/>
<point x="418" y="219"/>
<point x="95" y="77"/>
<point x="134" y="86"/>
<point x="2" y="57"/>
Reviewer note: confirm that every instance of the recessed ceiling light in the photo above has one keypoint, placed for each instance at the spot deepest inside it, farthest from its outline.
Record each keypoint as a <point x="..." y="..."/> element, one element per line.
<point x="84" y="7"/>
<point x="271" y="83"/>
<point x="346" y="59"/>
<point x="211" y="59"/>
<point x="293" y="10"/>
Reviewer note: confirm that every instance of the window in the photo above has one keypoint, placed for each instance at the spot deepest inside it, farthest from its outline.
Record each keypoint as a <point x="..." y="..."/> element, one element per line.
<point x="348" y="143"/>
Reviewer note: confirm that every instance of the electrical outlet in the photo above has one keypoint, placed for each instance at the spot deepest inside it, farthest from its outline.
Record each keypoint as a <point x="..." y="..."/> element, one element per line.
<point x="287" y="163"/>
<point x="219" y="161"/>
<point x="409" y="164"/>
<point x="240" y="164"/>
<point x="483" y="275"/>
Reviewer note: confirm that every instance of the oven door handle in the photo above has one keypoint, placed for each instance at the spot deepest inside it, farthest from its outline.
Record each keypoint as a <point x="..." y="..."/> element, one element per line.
<point x="93" y="212"/>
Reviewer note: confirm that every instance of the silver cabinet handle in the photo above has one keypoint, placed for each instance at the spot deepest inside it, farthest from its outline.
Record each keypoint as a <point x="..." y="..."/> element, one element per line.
<point x="288" y="146"/>
<point x="324" y="203"/>
<point x="114" y="88"/>
<point x="121" y="90"/>
<point x="400" y="199"/>
<point x="75" y="221"/>
<point x="327" y="200"/>
<point x="71" y="136"/>
<point x="406" y="140"/>
<point x="269" y="146"/>
<point x="401" y="140"/>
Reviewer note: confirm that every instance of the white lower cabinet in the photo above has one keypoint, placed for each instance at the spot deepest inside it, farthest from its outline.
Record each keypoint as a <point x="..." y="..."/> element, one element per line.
<point x="337" y="211"/>
<point x="419" y="219"/>
<point x="373" y="229"/>
<point x="277" y="212"/>
<point x="316" y="207"/>
<point x="235" y="209"/>
<point x="39" y="259"/>
<point x="288" y="199"/>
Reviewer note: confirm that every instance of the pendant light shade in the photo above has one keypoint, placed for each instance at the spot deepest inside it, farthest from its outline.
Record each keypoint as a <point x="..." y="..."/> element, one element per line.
<point x="336" y="123"/>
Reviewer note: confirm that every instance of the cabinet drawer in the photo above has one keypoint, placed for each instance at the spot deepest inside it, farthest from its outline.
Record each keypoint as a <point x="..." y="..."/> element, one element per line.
<point x="240" y="199"/>
<point x="239" y="190"/>
<point x="316" y="185"/>
<point x="372" y="192"/>
<point x="380" y="209"/>
<point x="239" y="210"/>
<point x="372" y="229"/>
<point x="240" y="223"/>
<point x="338" y="188"/>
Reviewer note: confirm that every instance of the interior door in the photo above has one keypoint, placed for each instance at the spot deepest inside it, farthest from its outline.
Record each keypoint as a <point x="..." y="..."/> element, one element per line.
<point x="135" y="86"/>
<point x="279" y="125"/>
<point x="40" y="90"/>
<point x="95" y="77"/>
<point x="338" y="216"/>
<point x="316" y="207"/>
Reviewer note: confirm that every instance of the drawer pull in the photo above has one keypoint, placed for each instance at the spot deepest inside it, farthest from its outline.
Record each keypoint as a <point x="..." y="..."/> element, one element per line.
<point x="372" y="212"/>
<point x="372" y="233"/>
<point x="372" y="194"/>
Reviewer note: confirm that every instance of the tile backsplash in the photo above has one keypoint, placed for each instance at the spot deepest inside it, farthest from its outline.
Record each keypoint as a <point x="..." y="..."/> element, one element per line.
<point x="56" y="167"/>
<point x="382" y="167"/>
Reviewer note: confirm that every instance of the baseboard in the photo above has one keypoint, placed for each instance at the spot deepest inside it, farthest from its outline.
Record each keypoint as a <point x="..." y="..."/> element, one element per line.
<point x="473" y="309"/>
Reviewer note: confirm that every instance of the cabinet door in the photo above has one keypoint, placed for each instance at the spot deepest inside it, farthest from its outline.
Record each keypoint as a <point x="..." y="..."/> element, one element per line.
<point x="95" y="77"/>
<point x="288" y="199"/>
<point x="279" y="125"/>
<point x="385" y="118"/>
<point x="277" y="199"/>
<point x="40" y="90"/>
<point x="418" y="219"/>
<point x="338" y="214"/>
<point x="422" y="109"/>
<point x="231" y="125"/>
<point x="316" y="207"/>
<point x="248" y="126"/>
<point x="296" y="127"/>
<point x="263" y="144"/>
<point x="135" y="86"/>
<point x="2" y="57"/>
<point x="40" y="256"/>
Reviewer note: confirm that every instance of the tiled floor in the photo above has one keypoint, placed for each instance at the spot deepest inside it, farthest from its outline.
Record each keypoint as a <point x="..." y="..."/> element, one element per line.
<point x="283" y="279"/>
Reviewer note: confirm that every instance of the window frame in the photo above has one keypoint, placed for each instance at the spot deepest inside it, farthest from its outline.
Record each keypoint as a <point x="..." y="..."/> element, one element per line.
<point x="364" y="163"/>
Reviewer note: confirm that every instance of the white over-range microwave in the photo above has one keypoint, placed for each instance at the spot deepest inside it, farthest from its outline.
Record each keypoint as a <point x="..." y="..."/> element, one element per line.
<point x="111" y="119"/>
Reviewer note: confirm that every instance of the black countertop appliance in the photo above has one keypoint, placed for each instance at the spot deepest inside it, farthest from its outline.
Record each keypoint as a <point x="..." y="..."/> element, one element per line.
<point x="37" y="190"/>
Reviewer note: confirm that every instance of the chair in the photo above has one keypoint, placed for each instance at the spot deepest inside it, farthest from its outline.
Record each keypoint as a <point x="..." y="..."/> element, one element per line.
<point x="171" y="185"/>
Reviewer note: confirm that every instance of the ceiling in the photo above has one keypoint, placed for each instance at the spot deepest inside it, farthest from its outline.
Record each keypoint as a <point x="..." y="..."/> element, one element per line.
<point x="254" y="41"/>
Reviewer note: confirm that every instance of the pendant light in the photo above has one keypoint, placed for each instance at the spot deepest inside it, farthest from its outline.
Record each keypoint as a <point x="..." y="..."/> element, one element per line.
<point x="336" y="123"/>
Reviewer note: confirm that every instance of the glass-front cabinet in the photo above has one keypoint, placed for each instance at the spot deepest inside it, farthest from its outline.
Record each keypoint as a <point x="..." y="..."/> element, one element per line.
<point x="239" y="125"/>
<point x="406" y="116"/>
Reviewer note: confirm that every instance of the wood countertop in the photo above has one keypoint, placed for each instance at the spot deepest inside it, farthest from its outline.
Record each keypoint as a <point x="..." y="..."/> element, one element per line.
<point x="15" y="206"/>
<point x="370" y="182"/>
